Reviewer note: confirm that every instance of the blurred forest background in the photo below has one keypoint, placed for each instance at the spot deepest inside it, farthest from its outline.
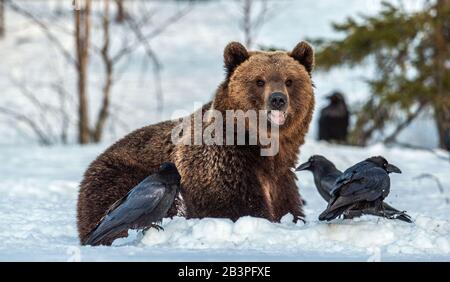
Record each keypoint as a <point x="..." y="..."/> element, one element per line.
<point x="89" y="71"/>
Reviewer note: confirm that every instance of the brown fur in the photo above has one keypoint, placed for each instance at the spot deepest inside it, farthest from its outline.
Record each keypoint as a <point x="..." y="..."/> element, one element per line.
<point x="217" y="181"/>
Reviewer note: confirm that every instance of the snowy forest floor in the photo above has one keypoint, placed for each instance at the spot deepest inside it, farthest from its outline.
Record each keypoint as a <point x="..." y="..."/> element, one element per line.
<point x="38" y="216"/>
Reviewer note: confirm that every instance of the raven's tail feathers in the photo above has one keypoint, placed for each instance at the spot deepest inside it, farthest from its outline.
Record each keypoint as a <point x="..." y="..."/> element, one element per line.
<point x="103" y="235"/>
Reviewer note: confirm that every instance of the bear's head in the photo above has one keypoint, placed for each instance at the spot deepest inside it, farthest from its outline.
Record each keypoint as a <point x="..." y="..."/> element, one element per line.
<point x="277" y="82"/>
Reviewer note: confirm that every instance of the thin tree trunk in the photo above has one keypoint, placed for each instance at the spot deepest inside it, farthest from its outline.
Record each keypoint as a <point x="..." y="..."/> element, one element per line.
<point x="393" y="136"/>
<point x="2" y="18"/>
<point x="247" y="22"/>
<point x="121" y="12"/>
<point x="104" y="111"/>
<point x="442" y="119"/>
<point x="371" y="118"/>
<point x="82" y="32"/>
<point x="441" y="56"/>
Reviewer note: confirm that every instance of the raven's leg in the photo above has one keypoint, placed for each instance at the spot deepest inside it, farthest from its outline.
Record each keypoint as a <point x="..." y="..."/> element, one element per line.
<point x="156" y="226"/>
<point x="388" y="207"/>
<point x="350" y="214"/>
<point x="373" y="208"/>
<point x="387" y="210"/>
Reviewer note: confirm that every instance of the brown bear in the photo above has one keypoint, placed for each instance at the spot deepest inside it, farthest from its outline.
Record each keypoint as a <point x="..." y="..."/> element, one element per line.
<point x="227" y="181"/>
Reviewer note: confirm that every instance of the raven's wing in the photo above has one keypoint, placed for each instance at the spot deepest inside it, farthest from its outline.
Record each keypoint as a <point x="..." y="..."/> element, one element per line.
<point x="366" y="185"/>
<point x="140" y="201"/>
<point x="347" y="177"/>
<point x="352" y="172"/>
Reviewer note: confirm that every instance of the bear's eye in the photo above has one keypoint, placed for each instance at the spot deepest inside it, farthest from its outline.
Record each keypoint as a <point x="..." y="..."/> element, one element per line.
<point x="260" y="82"/>
<point x="288" y="82"/>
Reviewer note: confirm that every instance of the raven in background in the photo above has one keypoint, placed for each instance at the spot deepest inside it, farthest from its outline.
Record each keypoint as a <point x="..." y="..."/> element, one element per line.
<point x="142" y="208"/>
<point x="334" y="119"/>
<point x="326" y="175"/>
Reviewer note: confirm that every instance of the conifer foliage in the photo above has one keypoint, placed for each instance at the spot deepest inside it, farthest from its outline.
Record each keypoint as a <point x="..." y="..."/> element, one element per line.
<point x="411" y="52"/>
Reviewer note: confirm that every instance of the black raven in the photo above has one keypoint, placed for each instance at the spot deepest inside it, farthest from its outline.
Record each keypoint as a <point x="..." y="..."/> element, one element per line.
<point x="324" y="172"/>
<point x="325" y="175"/>
<point x="142" y="208"/>
<point x="334" y="119"/>
<point x="361" y="189"/>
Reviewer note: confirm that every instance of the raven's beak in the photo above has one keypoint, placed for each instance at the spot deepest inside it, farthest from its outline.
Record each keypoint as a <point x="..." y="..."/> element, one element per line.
<point x="392" y="168"/>
<point x="304" y="166"/>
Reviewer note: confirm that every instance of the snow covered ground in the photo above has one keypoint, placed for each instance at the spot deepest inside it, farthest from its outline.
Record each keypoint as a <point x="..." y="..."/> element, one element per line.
<point x="38" y="208"/>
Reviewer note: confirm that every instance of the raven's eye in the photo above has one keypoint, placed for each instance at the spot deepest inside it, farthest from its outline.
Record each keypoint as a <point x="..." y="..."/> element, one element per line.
<point x="260" y="82"/>
<point x="288" y="82"/>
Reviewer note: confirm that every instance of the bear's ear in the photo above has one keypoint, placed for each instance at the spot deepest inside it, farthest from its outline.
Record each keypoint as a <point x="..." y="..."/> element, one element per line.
<point x="234" y="55"/>
<point x="304" y="54"/>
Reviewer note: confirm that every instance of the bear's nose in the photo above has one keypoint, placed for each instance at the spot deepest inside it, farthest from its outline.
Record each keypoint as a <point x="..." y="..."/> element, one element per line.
<point x="278" y="101"/>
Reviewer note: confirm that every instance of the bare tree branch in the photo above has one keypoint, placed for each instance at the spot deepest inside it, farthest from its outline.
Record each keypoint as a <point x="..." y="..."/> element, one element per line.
<point x="46" y="131"/>
<point x="44" y="109"/>
<point x="45" y="29"/>
<point x="2" y="18"/>
<point x="108" y="63"/>
<point x="409" y="119"/>
<point x="438" y="183"/>
<point x="63" y="111"/>
<point x="32" y="124"/>
<point x="155" y="60"/>
<point x="250" y="25"/>
<point x="154" y="33"/>
<point x="121" y="11"/>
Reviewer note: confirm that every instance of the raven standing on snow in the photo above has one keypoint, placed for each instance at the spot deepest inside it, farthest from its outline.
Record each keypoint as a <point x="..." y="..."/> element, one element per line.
<point x="362" y="187"/>
<point x="325" y="174"/>
<point x="142" y="208"/>
<point x="334" y="119"/>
